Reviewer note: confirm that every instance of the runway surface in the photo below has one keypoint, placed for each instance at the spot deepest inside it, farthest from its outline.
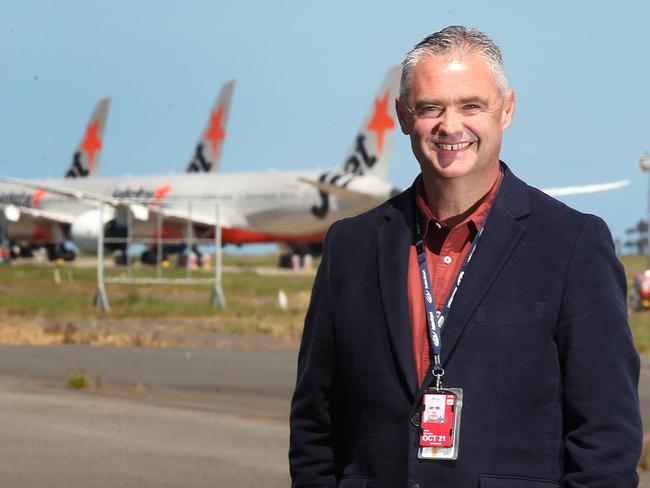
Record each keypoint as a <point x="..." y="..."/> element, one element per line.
<point x="163" y="418"/>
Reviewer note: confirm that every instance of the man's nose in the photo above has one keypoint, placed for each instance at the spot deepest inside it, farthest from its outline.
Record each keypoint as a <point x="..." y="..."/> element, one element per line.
<point x="451" y="123"/>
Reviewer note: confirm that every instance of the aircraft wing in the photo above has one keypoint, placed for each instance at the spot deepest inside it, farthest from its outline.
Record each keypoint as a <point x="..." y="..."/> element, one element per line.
<point x="337" y="191"/>
<point x="62" y="191"/>
<point x="13" y="213"/>
<point x="228" y="216"/>
<point x="352" y="195"/>
<point x="576" y="190"/>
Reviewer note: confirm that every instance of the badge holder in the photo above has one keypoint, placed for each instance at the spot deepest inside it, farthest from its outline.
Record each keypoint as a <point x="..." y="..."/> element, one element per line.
<point x="440" y="423"/>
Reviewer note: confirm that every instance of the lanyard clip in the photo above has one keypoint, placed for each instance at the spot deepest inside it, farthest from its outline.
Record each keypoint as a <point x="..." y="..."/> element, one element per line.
<point x="438" y="372"/>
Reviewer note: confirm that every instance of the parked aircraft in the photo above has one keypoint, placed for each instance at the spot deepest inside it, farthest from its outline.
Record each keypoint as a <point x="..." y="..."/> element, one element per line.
<point x="37" y="232"/>
<point x="38" y="226"/>
<point x="290" y="207"/>
<point x="294" y="208"/>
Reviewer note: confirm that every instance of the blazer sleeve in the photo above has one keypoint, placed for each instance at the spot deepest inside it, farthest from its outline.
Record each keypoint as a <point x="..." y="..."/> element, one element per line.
<point x="600" y="367"/>
<point x="311" y="451"/>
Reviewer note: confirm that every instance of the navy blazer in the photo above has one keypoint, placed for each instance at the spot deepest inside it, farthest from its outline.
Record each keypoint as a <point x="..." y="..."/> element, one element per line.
<point x="537" y="338"/>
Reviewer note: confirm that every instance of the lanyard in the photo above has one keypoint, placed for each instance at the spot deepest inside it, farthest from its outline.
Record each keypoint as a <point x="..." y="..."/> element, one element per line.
<point x="436" y="319"/>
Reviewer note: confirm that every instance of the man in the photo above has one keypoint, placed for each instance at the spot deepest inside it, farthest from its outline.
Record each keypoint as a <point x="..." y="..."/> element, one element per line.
<point x="489" y="284"/>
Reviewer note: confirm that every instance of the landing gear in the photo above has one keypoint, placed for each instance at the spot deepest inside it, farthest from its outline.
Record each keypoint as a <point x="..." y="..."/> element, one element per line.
<point x="299" y="256"/>
<point x="59" y="251"/>
<point x="25" y="252"/>
<point x="151" y="257"/>
<point x="196" y="257"/>
<point x="17" y="251"/>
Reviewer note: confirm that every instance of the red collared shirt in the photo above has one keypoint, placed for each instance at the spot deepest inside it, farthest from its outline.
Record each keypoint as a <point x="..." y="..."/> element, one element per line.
<point x="446" y="249"/>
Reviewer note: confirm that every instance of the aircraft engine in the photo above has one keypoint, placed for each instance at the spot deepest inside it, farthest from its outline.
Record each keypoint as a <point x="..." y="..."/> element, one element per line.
<point x="86" y="227"/>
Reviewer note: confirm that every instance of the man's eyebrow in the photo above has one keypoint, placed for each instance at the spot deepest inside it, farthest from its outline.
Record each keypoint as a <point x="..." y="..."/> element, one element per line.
<point x="476" y="100"/>
<point x="462" y="101"/>
<point x="428" y="101"/>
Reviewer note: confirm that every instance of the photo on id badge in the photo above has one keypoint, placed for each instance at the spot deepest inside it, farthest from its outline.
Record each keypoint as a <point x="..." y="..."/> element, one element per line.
<point x="440" y="424"/>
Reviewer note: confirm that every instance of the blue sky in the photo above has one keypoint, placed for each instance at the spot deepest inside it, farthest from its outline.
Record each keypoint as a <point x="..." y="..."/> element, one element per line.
<point x="306" y="72"/>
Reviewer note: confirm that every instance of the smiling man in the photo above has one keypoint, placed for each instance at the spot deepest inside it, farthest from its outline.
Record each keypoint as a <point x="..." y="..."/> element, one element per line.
<point x="473" y="287"/>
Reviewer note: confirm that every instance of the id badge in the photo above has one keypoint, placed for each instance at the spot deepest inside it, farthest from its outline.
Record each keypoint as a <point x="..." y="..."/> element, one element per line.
<point x="440" y="423"/>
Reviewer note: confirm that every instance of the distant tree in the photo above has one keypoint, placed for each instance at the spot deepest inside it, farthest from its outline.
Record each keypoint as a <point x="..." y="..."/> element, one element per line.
<point x="638" y="237"/>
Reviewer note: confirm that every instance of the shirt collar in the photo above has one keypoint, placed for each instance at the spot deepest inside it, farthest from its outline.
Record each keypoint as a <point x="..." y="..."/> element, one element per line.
<point x="474" y="220"/>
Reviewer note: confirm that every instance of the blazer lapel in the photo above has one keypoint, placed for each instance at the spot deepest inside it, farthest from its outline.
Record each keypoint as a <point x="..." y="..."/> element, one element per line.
<point x="500" y="237"/>
<point x="393" y="241"/>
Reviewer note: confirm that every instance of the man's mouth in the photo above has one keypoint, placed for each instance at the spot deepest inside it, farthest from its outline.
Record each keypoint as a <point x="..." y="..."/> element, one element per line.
<point x="452" y="147"/>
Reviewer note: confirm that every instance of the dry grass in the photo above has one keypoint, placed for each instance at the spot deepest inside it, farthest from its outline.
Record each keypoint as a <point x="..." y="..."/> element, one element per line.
<point x="36" y="310"/>
<point x="42" y="332"/>
<point x="39" y="307"/>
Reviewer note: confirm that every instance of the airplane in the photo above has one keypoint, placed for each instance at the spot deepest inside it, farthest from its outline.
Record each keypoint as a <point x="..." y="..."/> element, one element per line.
<point x="38" y="232"/>
<point x="295" y="208"/>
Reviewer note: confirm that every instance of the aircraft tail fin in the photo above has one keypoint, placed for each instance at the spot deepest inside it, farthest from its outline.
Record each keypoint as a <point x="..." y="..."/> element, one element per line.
<point x="85" y="159"/>
<point x="207" y="154"/>
<point x="370" y="151"/>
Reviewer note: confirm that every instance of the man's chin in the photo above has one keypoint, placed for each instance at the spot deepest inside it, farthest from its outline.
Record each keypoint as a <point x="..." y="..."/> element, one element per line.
<point x="451" y="160"/>
<point x="456" y="168"/>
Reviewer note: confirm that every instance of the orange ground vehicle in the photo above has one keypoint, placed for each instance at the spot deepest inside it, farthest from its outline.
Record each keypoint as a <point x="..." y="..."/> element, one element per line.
<point x="640" y="292"/>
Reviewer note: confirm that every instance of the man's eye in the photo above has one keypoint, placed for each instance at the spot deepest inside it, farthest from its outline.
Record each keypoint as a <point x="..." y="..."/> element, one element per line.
<point x="471" y="108"/>
<point x="428" y="111"/>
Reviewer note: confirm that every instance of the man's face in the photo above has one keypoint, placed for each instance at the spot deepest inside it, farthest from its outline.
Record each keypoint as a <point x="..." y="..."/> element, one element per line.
<point x="435" y="408"/>
<point x="460" y="117"/>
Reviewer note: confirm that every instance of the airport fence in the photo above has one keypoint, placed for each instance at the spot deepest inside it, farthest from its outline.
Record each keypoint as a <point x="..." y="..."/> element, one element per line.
<point x="187" y="246"/>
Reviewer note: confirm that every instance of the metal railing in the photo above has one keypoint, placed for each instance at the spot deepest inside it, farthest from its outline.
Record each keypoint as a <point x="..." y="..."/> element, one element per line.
<point x="190" y="242"/>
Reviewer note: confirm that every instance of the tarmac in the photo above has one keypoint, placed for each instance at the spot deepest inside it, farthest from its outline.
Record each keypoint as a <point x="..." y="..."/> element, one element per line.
<point x="153" y="417"/>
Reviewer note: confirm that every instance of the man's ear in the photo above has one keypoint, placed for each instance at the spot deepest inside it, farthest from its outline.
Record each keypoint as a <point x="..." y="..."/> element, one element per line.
<point x="404" y="116"/>
<point x="508" y="109"/>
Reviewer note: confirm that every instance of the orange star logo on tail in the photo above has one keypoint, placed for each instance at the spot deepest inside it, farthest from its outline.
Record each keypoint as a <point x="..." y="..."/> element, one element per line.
<point x="215" y="133"/>
<point x="381" y="121"/>
<point x="91" y="143"/>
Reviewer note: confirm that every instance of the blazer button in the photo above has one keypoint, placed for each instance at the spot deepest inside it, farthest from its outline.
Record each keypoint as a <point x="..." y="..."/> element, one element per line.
<point x="415" y="420"/>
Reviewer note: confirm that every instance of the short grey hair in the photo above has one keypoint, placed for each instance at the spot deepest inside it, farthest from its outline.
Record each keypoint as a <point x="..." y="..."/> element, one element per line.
<point x="455" y="39"/>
